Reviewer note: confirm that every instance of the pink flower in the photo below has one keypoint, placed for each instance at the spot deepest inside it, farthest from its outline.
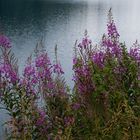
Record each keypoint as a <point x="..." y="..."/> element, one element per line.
<point x="8" y="72"/>
<point x="42" y="61"/>
<point x="98" y="59"/>
<point x="5" y="42"/>
<point x="75" y="60"/>
<point x="41" y="119"/>
<point x="112" y="30"/>
<point x="58" y="69"/>
<point x="135" y="51"/>
<point x="85" y="43"/>
<point x="29" y="71"/>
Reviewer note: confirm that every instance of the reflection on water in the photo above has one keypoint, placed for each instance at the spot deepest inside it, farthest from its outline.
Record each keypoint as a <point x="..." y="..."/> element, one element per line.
<point x="27" y="21"/>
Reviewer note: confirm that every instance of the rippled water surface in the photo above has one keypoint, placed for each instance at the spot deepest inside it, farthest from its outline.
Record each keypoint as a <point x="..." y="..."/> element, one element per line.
<point x="61" y="23"/>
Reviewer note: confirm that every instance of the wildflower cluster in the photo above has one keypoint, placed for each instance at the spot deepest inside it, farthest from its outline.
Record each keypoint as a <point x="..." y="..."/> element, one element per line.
<point x="107" y="88"/>
<point x="41" y="81"/>
<point x="104" y="104"/>
<point x="4" y="42"/>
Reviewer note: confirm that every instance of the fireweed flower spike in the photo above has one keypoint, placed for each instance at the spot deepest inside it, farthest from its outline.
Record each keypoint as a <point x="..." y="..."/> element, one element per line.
<point x="8" y="65"/>
<point x="41" y="119"/>
<point x="42" y="61"/>
<point x="98" y="59"/>
<point x="43" y="65"/>
<point x="58" y="69"/>
<point x="7" y="72"/>
<point x="5" y="42"/>
<point x="112" y="30"/>
<point x="111" y="41"/>
<point x="29" y="71"/>
<point x="135" y="51"/>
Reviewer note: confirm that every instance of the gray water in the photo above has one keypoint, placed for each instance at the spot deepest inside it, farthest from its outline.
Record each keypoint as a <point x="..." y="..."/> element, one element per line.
<point x="25" y="22"/>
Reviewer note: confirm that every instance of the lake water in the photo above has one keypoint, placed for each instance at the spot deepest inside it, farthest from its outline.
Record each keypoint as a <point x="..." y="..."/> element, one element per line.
<point x="25" y="22"/>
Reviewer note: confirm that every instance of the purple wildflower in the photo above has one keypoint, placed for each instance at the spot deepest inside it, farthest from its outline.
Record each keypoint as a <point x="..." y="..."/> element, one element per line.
<point x="58" y="69"/>
<point x="112" y="30"/>
<point x="30" y="79"/>
<point x="135" y="51"/>
<point x="107" y="42"/>
<point x="42" y="61"/>
<point x="44" y="66"/>
<point x="112" y="46"/>
<point x="29" y="71"/>
<point x="41" y="119"/>
<point x="86" y="42"/>
<point x="75" y="61"/>
<point x="83" y="79"/>
<point x="7" y="72"/>
<point x="111" y="41"/>
<point x="50" y="85"/>
<point x="98" y="59"/>
<point x="5" y="42"/>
